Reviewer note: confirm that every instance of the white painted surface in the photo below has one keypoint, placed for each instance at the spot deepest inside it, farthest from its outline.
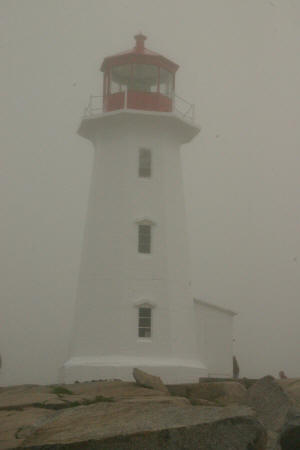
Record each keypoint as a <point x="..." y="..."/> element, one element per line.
<point x="170" y="370"/>
<point x="215" y="338"/>
<point x="114" y="277"/>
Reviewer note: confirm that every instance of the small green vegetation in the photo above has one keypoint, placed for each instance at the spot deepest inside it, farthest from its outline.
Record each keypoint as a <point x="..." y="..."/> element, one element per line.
<point x="67" y="404"/>
<point x="12" y="408"/>
<point x="97" y="399"/>
<point x="100" y="398"/>
<point x="60" y="390"/>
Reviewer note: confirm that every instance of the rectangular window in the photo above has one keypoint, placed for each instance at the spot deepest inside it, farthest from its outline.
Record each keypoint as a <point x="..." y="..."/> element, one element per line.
<point x="145" y="162"/>
<point x="144" y="239"/>
<point x="145" y="316"/>
<point x="166" y="83"/>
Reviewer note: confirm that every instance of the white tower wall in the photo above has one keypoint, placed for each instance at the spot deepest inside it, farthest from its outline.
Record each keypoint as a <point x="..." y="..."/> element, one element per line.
<point x="114" y="277"/>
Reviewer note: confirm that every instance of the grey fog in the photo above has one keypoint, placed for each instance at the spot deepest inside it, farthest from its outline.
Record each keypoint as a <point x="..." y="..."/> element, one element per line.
<point x="239" y="64"/>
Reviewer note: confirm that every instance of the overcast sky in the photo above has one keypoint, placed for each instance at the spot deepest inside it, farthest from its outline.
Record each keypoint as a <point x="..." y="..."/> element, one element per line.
<point x="239" y="64"/>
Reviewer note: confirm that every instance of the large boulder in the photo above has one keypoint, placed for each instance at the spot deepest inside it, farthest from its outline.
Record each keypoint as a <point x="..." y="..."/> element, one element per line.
<point x="180" y="389"/>
<point x="149" y="381"/>
<point x="160" y="399"/>
<point x="202" y="402"/>
<point x="292" y="387"/>
<point x="270" y="402"/>
<point x="223" y="392"/>
<point x="125" y="425"/>
<point x="290" y="435"/>
<point x="61" y="396"/>
<point x="273" y="441"/>
<point x="15" y="426"/>
<point x="24" y="408"/>
<point x="116" y="390"/>
<point x="27" y="395"/>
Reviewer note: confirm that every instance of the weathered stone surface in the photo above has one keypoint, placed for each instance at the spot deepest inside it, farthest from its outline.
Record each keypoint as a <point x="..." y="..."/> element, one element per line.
<point x="32" y="395"/>
<point x="24" y="407"/>
<point x="273" y="441"/>
<point x="270" y="402"/>
<point x="292" y="387"/>
<point x="202" y="402"/>
<point x="149" y="381"/>
<point x="290" y="435"/>
<point x="222" y="393"/>
<point x="162" y="399"/>
<point x="15" y="426"/>
<point x="27" y="395"/>
<point x="246" y="382"/>
<point x="138" y="418"/>
<point x="180" y="390"/>
<point x="126" y="425"/>
<point x="120" y="390"/>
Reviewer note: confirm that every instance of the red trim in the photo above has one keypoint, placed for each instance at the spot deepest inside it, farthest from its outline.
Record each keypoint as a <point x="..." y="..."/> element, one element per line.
<point x="136" y="58"/>
<point x="131" y="74"/>
<point x="173" y="91"/>
<point x="140" y="42"/>
<point x="104" y="84"/>
<point x="109" y="80"/>
<point x="144" y="101"/>
<point x="115" y="101"/>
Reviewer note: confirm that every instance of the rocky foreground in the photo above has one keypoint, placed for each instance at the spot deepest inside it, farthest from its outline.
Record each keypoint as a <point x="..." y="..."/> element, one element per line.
<point x="148" y="415"/>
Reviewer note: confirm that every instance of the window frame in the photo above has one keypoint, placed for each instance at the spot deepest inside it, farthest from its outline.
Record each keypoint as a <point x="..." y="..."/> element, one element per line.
<point x="144" y="238"/>
<point x="145" y="155"/>
<point x="149" y="222"/>
<point x="145" y="316"/>
<point x="146" y="304"/>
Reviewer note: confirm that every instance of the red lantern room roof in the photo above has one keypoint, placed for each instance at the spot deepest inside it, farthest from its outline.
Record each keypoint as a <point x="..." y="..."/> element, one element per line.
<point x="139" y="55"/>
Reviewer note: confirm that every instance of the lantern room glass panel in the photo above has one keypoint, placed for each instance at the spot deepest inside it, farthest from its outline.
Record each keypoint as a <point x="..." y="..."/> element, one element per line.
<point x="144" y="78"/>
<point x="120" y="78"/>
<point x="166" y="81"/>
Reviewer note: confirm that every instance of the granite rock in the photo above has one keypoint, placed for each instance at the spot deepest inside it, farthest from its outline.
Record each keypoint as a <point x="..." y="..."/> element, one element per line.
<point x="290" y="435"/>
<point x="127" y="425"/>
<point x="292" y="387"/>
<point x="222" y="393"/>
<point x="149" y="381"/>
<point x="15" y="426"/>
<point x="270" y="402"/>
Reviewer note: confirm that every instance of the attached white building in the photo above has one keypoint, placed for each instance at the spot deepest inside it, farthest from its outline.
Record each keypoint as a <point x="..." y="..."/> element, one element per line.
<point x="215" y="337"/>
<point x="134" y="305"/>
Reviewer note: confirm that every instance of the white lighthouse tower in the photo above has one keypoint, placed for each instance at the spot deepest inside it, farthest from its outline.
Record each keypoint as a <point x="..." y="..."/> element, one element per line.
<point x="134" y="303"/>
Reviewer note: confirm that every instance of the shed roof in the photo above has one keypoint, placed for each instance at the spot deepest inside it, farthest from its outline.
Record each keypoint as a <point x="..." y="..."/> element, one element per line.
<point x="212" y="306"/>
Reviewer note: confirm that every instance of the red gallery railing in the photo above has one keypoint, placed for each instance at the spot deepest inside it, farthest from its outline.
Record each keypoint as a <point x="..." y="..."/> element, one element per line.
<point x="137" y="100"/>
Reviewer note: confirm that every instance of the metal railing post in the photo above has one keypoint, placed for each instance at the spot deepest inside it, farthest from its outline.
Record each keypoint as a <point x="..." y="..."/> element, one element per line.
<point x="173" y="101"/>
<point x="125" y="98"/>
<point x="90" y="105"/>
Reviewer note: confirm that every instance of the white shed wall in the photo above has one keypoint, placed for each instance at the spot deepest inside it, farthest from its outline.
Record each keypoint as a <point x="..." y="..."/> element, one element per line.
<point x="214" y="329"/>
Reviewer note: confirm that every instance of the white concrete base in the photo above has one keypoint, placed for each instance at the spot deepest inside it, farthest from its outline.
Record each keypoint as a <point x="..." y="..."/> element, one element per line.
<point x="171" y="371"/>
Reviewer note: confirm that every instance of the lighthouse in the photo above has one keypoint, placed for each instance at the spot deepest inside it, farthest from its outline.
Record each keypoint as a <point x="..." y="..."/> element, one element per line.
<point x="134" y="304"/>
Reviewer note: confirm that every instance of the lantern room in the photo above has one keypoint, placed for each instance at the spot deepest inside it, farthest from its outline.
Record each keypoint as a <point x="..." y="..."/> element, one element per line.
<point x="138" y="79"/>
